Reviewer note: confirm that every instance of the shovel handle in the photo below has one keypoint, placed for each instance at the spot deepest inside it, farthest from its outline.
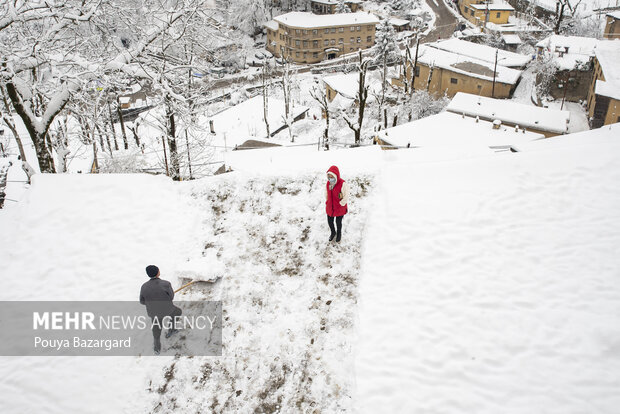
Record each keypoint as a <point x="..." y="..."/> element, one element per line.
<point x="185" y="285"/>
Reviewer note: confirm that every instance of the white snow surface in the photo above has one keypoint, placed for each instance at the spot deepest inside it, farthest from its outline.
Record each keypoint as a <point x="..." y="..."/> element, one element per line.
<point x="314" y="21"/>
<point x="482" y="52"/>
<point x="608" y="55"/>
<point x="488" y="281"/>
<point x="507" y="111"/>
<point x="448" y="60"/>
<point x="451" y="129"/>
<point x="490" y="285"/>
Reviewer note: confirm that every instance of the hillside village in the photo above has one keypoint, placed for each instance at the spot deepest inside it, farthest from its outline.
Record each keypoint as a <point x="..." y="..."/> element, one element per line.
<point x="478" y="139"/>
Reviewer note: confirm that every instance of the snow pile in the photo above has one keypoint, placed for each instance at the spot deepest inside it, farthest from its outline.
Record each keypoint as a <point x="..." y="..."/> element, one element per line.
<point x="491" y="285"/>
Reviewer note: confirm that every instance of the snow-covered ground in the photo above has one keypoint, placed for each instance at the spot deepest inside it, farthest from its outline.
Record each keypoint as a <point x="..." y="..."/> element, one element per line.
<point x="488" y="281"/>
<point x="491" y="285"/>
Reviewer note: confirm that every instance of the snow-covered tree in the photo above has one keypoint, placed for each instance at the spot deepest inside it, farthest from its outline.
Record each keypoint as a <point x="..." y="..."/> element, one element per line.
<point x="52" y="48"/>
<point x="342" y="7"/>
<point x="385" y="51"/>
<point x="249" y="16"/>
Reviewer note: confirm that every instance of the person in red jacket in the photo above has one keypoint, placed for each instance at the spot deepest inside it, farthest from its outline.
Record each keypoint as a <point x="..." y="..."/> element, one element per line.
<point x="336" y="199"/>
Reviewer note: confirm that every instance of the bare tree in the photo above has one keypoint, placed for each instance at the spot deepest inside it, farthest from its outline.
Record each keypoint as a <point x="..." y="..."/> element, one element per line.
<point x="265" y="93"/>
<point x="361" y="98"/>
<point x="319" y="95"/>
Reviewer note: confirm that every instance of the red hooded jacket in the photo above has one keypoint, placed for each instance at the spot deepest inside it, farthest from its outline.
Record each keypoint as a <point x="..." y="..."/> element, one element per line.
<point x="332" y="204"/>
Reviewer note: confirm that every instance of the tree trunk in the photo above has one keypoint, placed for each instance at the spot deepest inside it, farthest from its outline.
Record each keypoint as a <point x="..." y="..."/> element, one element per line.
<point x="120" y="118"/>
<point x="42" y="145"/>
<point x="111" y="119"/>
<point x="175" y="171"/>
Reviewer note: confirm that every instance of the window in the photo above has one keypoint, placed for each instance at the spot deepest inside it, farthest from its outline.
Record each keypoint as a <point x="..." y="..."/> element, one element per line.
<point x="305" y="44"/>
<point x="333" y="42"/>
<point x="472" y="12"/>
<point x="305" y="32"/>
<point x="350" y="49"/>
<point x="305" y="55"/>
<point x="297" y="31"/>
<point x="499" y="15"/>
<point x="417" y="71"/>
<point x="326" y="30"/>
<point x="315" y="43"/>
<point x="369" y="39"/>
<point x="359" y="28"/>
<point x="369" y="28"/>
<point x="479" y="87"/>
<point x="315" y="32"/>
<point x="352" y="28"/>
<point x="454" y="81"/>
<point x="341" y="29"/>
<point x="341" y="40"/>
<point x="315" y="55"/>
<point x="297" y="43"/>
<point x="326" y="42"/>
<point x="296" y="54"/>
<point x="359" y="40"/>
<point x="352" y="40"/>
<point x="333" y="30"/>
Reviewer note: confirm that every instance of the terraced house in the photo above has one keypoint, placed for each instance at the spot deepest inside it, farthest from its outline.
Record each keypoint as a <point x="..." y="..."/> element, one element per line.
<point x="310" y="38"/>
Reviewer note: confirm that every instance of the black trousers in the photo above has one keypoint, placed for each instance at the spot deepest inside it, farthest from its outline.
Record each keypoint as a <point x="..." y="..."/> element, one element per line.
<point x="157" y="327"/>
<point x="330" y="221"/>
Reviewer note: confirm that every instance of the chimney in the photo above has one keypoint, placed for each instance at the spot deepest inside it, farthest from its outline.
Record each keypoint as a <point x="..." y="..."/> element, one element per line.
<point x="497" y="123"/>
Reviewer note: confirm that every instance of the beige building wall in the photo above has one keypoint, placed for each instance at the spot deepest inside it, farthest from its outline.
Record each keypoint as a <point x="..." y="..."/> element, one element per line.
<point x="478" y="16"/>
<point x="315" y="45"/>
<point x="449" y="82"/>
<point x="602" y="110"/>
<point x="612" y="28"/>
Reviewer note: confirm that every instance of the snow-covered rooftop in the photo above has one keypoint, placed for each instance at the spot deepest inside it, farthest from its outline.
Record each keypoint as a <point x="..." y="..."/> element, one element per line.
<point x="526" y="116"/>
<point x="511" y="39"/>
<point x="313" y="21"/>
<point x="272" y="24"/>
<point x="346" y="85"/>
<point x="591" y="137"/>
<point x="608" y="56"/>
<point x="482" y="52"/>
<point x="569" y="51"/>
<point x="467" y="65"/>
<point x="492" y="6"/>
<point x="394" y="21"/>
<point x="615" y="15"/>
<point x="448" y="128"/>
<point x="571" y="44"/>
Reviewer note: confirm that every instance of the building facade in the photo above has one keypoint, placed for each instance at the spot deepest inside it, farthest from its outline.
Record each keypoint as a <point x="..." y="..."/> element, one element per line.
<point x="612" y="26"/>
<point x="604" y="93"/>
<point x="445" y="73"/>
<point x="480" y="12"/>
<point x="308" y="38"/>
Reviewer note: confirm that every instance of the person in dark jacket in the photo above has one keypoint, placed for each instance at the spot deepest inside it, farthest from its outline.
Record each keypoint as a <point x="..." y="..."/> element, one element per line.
<point x="157" y="296"/>
<point x="336" y="199"/>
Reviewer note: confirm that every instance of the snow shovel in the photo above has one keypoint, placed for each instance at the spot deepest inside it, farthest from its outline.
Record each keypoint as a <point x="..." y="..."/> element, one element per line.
<point x="191" y="282"/>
